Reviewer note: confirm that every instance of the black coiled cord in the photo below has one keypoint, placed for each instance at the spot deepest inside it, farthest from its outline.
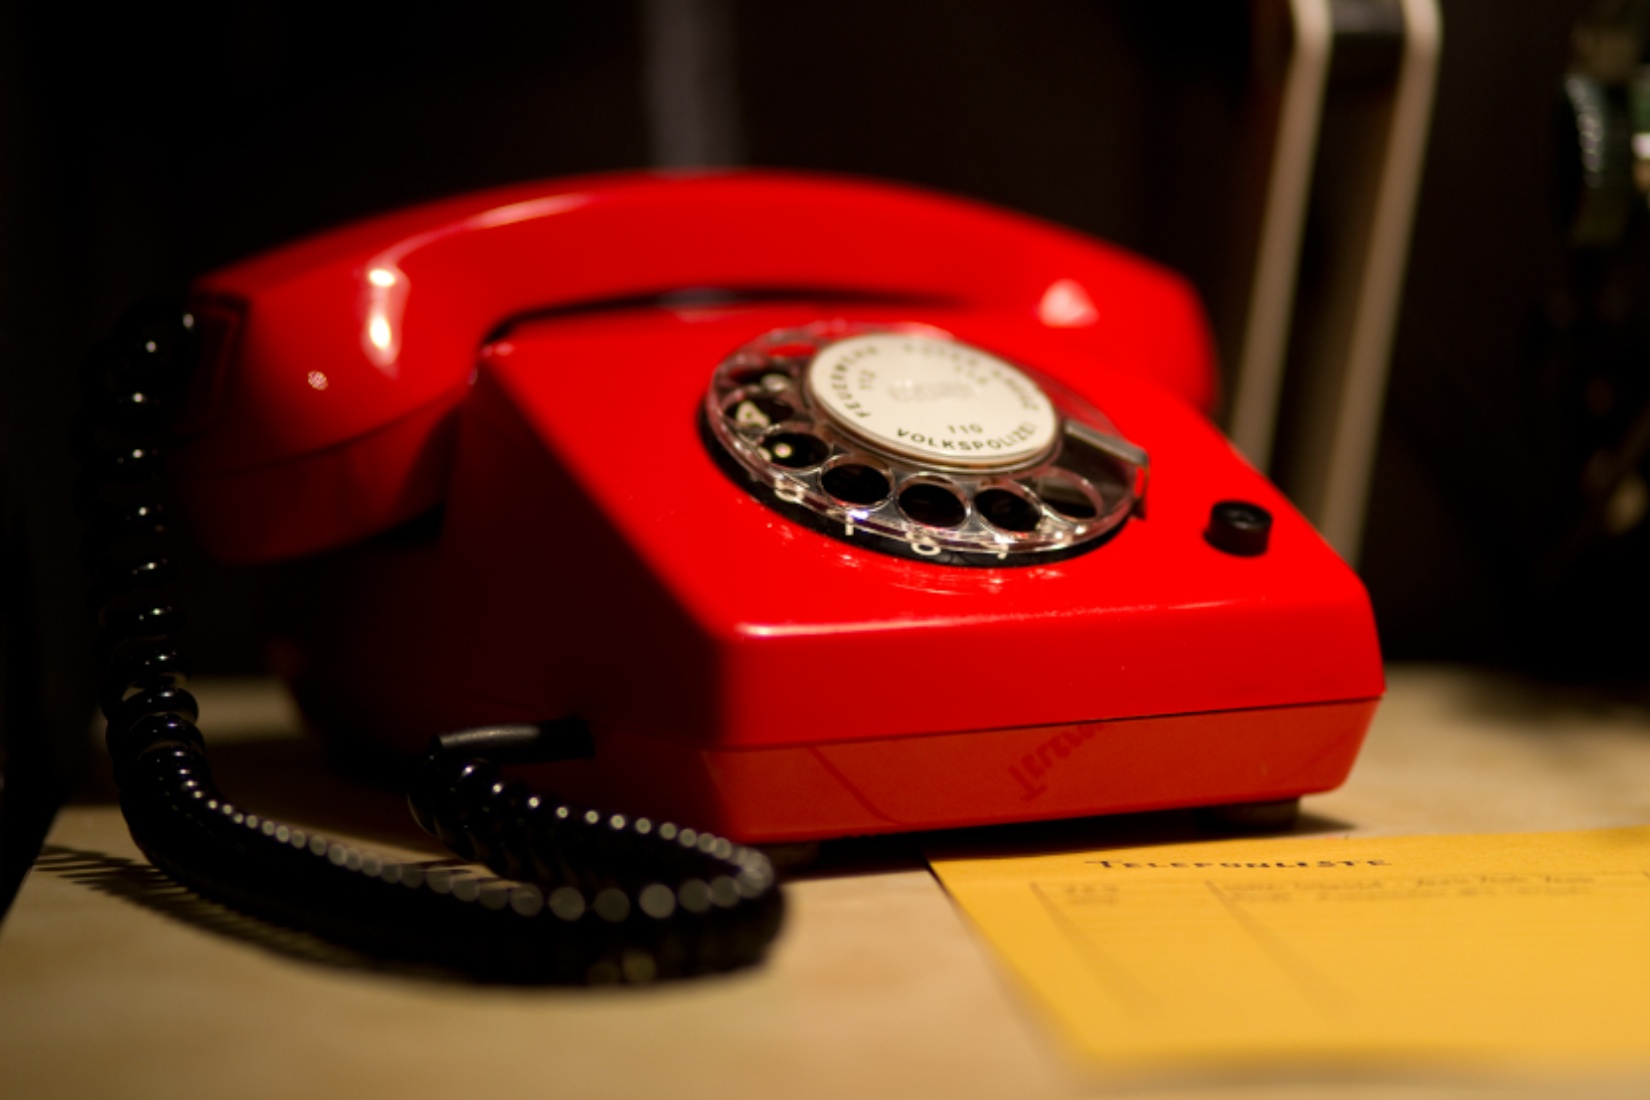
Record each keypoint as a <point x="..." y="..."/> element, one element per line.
<point x="592" y="897"/>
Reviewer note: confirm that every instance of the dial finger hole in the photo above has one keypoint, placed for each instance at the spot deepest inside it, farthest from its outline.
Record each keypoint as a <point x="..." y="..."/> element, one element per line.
<point x="932" y="504"/>
<point x="853" y="482"/>
<point x="795" y="450"/>
<point x="1111" y="479"/>
<point x="754" y="410"/>
<point x="1071" y="498"/>
<point x="1007" y="510"/>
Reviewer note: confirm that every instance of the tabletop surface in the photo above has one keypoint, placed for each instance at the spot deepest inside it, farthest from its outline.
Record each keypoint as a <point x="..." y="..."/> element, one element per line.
<point x="115" y="983"/>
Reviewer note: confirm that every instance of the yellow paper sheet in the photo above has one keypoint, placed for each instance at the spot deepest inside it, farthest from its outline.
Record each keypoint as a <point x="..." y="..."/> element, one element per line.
<point x="1521" y="950"/>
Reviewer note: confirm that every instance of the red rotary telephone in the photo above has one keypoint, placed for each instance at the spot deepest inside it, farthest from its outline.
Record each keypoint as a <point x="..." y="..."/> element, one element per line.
<point x="824" y="503"/>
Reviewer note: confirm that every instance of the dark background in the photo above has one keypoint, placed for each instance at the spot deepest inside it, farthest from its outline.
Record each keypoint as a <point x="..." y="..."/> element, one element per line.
<point x="137" y="150"/>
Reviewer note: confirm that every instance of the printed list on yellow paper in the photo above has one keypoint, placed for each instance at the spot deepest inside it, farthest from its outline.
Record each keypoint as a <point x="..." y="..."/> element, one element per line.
<point x="1519" y="950"/>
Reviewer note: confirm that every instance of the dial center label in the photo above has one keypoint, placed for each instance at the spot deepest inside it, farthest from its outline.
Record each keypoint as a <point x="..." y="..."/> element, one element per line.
<point x="933" y="400"/>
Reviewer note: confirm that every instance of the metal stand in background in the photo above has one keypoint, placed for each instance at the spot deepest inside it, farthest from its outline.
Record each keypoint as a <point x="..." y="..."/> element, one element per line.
<point x="1350" y="98"/>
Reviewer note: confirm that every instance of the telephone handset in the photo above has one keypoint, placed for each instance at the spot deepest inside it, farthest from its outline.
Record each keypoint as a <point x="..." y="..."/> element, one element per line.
<point x="806" y="507"/>
<point x="334" y="365"/>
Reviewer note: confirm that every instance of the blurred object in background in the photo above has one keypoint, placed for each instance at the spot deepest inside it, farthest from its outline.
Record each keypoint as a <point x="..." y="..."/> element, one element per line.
<point x="1328" y="390"/>
<point x="1508" y="518"/>
<point x="1592" y="572"/>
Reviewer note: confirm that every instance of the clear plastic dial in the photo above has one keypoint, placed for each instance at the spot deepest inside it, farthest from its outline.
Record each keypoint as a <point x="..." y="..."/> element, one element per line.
<point x="908" y="441"/>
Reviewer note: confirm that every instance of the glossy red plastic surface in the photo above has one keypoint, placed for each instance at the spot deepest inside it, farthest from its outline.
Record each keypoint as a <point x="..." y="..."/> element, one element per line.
<point x="757" y="676"/>
<point x="740" y="671"/>
<point x="852" y="788"/>
<point x="357" y="340"/>
<point x="701" y="613"/>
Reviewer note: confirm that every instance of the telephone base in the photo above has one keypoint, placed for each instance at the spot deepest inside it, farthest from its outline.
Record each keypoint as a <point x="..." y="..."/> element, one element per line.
<point x="1246" y="766"/>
